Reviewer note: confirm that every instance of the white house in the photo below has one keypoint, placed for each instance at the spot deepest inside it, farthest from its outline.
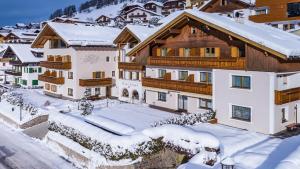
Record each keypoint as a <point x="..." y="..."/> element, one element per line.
<point x="80" y="59"/>
<point x="23" y="65"/>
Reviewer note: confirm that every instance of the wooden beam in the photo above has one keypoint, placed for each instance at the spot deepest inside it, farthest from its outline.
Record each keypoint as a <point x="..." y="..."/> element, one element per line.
<point x="159" y="41"/>
<point x="175" y="31"/>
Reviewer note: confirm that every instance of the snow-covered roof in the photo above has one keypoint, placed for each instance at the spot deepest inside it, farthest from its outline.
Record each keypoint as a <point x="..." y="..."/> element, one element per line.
<point x="143" y="9"/>
<point x="251" y="2"/>
<point x="260" y="34"/>
<point x="24" y="53"/>
<point x="141" y="32"/>
<point x="82" y="35"/>
<point x="4" y="34"/>
<point x="155" y="2"/>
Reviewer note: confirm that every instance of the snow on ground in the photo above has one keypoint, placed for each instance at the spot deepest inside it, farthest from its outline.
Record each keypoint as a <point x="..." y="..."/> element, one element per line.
<point x="20" y="151"/>
<point x="251" y="150"/>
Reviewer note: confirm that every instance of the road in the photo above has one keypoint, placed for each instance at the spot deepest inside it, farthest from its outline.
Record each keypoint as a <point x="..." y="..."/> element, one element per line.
<point x="19" y="151"/>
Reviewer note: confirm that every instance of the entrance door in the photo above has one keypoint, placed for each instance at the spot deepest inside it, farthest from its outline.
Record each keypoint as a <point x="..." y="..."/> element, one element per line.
<point x="182" y="103"/>
<point x="108" y="91"/>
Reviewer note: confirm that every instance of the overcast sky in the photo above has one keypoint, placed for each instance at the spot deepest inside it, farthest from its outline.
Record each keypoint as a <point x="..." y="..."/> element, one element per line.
<point x="14" y="11"/>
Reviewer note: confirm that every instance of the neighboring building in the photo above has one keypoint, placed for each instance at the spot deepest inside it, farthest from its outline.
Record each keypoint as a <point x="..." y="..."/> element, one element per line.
<point x="66" y="20"/>
<point x="283" y="14"/>
<point x="200" y="61"/>
<point x="3" y="37"/>
<point x="226" y="6"/>
<point x="139" y="14"/>
<point x="22" y="69"/>
<point x="172" y="6"/>
<point x="130" y="70"/>
<point x="20" y="36"/>
<point x="78" y="61"/>
<point x="154" y="6"/>
<point x="128" y="7"/>
<point x="4" y="64"/>
<point x="103" y="20"/>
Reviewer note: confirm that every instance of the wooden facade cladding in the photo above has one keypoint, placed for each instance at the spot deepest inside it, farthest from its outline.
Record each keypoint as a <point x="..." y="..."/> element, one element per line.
<point x="287" y="96"/>
<point x="95" y="82"/>
<point x="215" y="6"/>
<point x="277" y="11"/>
<point x="184" y="86"/>
<point x="199" y="62"/>
<point x="56" y="65"/>
<point x="130" y="66"/>
<point x="15" y="62"/>
<point x="51" y="79"/>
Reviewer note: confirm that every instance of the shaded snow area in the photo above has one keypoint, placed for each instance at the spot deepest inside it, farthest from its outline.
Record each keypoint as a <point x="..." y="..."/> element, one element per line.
<point x="250" y="150"/>
<point x="18" y="151"/>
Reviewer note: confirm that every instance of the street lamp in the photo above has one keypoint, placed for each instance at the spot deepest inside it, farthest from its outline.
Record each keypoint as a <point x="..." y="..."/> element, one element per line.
<point x="21" y="106"/>
<point x="228" y="163"/>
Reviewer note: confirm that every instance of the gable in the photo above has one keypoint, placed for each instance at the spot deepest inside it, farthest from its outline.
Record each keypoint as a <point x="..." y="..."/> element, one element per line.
<point x="180" y="20"/>
<point x="126" y="36"/>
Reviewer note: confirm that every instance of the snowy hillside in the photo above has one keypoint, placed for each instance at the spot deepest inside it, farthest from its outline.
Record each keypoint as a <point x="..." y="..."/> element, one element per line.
<point x="111" y="11"/>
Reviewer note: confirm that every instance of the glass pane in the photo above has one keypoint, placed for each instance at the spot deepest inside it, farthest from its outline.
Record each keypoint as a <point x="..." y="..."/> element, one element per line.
<point x="246" y="82"/>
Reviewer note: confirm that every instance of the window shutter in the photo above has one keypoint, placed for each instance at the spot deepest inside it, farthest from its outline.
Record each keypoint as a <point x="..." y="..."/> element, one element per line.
<point x="158" y="52"/>
<point x="94" y="75"/>
<point x="234" y="52"/>
<point x="202" y="52"/>
<point x="193" y="52"/>
<point x="30" y="70"/>
<point x="169" y="51"/>
<point x="218" y="51"/>
<point x="181" y="52"/>
<point x="102" y="75"/>
<point x="120" y="74"/>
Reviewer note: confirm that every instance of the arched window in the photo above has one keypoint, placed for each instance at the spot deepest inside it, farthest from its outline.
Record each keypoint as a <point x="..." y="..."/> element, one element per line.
<point x="125" y="93"/>
<point x="135" y="95"/>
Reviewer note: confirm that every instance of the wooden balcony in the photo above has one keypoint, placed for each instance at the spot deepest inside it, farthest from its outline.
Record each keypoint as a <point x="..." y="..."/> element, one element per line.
<point x="13" y="73"/>
<point x="52" y="79"/>
<point x="184" y="86"/>
<point x="199" y="62"/>
<point x="56" y="65"/>
<point x="15" y="62"/>
<point x="130" y="66"/>
<point x="95" y="82"/>
<point x="287" y="96"/>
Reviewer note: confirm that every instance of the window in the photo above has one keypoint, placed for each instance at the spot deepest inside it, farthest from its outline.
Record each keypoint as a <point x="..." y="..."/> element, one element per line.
<point x="88" y="92"/>
<point x="98" y="75"/>
<point x="284" y="115"/>
<point x="24" y="82"/>
<point x="161" y="73"/>
<point x="113" y="73"/>
<point x="205" y="77"/>
<point x="224" y="2"/>
<point x="193" y="30"/>
<point x="53" y="88"/>
<point x="70" y="75"/>
<point x="183" y="75"/>
<point x="30" y="70"/>
<point x="243" y="82"/>
<point x="97" y="91"/>
<point x="40" y="70"/>
<point x="293" y="9"/>
<point x="210" y="52"/>
<point x="3" y="64"/>
<point x="47" y="86"/>
<point x="57" y="43"/>
<point x="125" y="93"/>
<point x="164" y="51"/>
<point x="70" y="92"/>
<point x="162" y="96"/>
<point x="107" y="58"/>
<point x="205" y="103"/>
<point x="262" y="11"/>
<point x="241" y="113"/>
<point x="35" y="82"/>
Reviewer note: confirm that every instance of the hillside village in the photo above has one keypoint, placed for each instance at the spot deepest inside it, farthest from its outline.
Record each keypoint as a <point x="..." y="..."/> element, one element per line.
<point x="187" y="84"/>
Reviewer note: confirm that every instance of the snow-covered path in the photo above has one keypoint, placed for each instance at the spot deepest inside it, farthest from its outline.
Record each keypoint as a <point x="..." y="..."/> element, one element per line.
<point x="18" y="151"/>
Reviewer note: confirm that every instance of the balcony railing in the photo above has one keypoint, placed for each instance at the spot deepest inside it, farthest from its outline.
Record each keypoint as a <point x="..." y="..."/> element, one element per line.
<point x="95" y="82"/>
<point x="13" y="73"/>
<point x="199" y="62"/>
<point x="56" y="65"/>
<point x="52" y="79"/>
<point x="130" y="66"/>
<point x="287" y="96"/>
<point x="184" y="86"/>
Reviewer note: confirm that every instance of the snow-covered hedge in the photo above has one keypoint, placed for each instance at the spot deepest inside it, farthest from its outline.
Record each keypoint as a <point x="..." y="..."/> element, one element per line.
<point x="149" y="142"/>
<point x="187" y="119"/>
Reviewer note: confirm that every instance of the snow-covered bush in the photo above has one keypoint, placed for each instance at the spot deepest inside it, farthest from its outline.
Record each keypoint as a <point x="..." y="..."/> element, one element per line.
<point x="150" y="146"/>
<point x="188" y="119"/>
